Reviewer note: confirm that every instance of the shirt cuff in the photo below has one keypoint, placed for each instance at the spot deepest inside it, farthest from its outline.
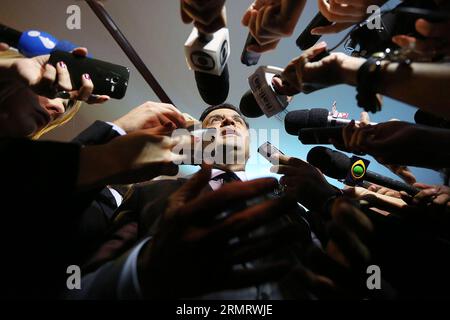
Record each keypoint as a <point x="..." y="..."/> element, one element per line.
<point x="117" y="129"/>
<point x="129" y="287"/>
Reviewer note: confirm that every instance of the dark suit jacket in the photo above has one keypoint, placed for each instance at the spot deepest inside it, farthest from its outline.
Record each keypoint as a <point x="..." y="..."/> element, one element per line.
<point x="99" y="205"/>
<point x="38" y="179"/>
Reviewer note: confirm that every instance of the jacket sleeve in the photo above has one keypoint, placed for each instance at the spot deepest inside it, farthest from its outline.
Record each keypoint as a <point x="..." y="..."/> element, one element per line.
<point x="98" y="133"/>
<point x="38" y="168"/>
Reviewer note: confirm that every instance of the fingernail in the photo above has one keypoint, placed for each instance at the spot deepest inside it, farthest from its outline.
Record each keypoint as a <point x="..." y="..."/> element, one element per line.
<point x="62" y="64"/>
<point x="314" y="32"/>
<point x="87" y="76"/>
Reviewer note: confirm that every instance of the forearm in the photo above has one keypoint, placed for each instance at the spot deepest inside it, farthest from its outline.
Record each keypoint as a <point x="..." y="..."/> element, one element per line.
<point x="435" y="143"/>
<point x="96" y="167"/>
<point x="424" y="85"/>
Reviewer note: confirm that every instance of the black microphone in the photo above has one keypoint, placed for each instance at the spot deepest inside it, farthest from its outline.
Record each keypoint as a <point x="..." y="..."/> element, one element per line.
<point x="337" y="165"/>
<point x="207" y="55"/>
<point x="10" y="36"/>
<point x="32" y="43"/>
<point x="431" y="120"/>
<point x="306" y="40"/>
<point x="250" y="58"/>
<point x="314" y="118"/>
<point x="213" y="89"/>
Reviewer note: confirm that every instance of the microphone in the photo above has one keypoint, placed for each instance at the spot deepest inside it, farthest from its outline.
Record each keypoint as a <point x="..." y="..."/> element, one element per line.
<point x="314" y="118"/>
<point x="431" y="120"/>
<point x="207" y="55"/>
<point x="32" y="43"/>
<point x="250" y="58"/>
<point x="337" y="165"/>
<point x="262" y="99"/>
<point x="306" y="40"/>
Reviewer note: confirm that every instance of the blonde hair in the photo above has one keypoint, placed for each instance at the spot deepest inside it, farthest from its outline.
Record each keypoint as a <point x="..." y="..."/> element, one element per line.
<point x="73" y="105"/>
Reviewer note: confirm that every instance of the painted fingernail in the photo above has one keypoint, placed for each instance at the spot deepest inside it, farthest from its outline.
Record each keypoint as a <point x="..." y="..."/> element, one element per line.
<point x="86" y="76"/>
<point x="62" y="64"/>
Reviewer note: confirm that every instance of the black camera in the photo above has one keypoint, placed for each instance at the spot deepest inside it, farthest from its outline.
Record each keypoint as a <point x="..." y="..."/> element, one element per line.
<point x="366" y="39"/>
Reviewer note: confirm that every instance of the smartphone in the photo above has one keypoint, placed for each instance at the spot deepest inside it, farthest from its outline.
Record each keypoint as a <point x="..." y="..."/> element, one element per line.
<point x="108" y="78"/>
<point x="267" y="150"/>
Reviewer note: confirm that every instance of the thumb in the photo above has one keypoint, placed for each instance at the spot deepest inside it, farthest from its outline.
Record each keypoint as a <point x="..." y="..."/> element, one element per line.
<point x="315" y="50"/>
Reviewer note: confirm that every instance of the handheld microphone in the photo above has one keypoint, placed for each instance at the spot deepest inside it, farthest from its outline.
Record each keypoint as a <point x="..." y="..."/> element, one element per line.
<point x="250" y="58"/>
<point x="314" y="118"/>
<point x="32" y="43"/>
<point x="306" y="40"/>
<point x="431" y="120"/>
<point x="262" y="99"/>
<point x="207" y="55"/>
<point x="337" y="165"/>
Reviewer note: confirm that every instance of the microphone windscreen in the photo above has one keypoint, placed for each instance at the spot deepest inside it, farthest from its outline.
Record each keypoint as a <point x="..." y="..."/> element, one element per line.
<point x="301" y="119"/>
<point x="428" y="119"/>
<point x="318" y="118"/>
<point x="9" y="36"/>
<point x="296" y="120"/>
<point x="333" y="164"/>
<point x="64" y="45"/>
<point x="212" y="88"/>
<point x="249" y="107"/>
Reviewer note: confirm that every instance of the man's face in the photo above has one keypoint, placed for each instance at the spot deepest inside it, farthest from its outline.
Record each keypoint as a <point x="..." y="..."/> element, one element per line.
<point x="232" y="132"/>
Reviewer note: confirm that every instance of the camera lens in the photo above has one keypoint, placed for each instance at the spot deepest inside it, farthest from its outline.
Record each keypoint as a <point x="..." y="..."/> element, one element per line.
<point x="114" y="80"/>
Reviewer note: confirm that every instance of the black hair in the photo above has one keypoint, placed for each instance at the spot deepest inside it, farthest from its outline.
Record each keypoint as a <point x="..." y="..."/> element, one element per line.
<point x="222" y="106"/>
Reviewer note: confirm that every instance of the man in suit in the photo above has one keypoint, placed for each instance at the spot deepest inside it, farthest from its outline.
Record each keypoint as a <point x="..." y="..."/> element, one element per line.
<point x="150" y="205"/>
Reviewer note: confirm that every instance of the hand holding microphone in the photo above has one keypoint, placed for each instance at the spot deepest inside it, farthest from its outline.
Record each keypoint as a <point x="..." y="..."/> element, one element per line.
<point x="205" y="14"/>
<point x="343" y="14"/>
<point x="395" y="142"/>
<point x="207" y="49"/>
<point x="302" y="73"/>
<point x="270" y="20"/>
<point x="267" y="94"/>
<point x="337" y="165"/>
<point x="303" y="181"/>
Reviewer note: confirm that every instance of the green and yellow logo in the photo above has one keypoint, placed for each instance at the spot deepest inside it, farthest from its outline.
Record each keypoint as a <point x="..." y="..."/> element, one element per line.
<point x="358" y="169"/>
